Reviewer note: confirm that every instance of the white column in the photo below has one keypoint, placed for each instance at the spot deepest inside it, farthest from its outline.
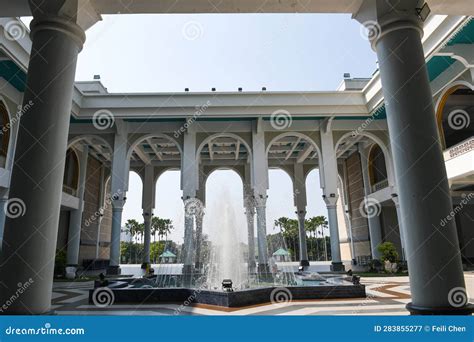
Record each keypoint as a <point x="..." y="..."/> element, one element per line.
<point x="249" y="205"/>
<point x="329" y="172"/>
<point x="260" y="185"/>
<point x="29" y="244"/>
<point x="118" y="187"/>
<point x="260" y="204"/>
<point x="148" y="199"/>
<point x="433" y="254"/>
<point x="189" y="184"/>
<point x="102" y="192"/>
<point x="199" y="218"/>
<point x="299" y="191"/>
<point x="75" y="220"/>
<point x="373" y="218"/>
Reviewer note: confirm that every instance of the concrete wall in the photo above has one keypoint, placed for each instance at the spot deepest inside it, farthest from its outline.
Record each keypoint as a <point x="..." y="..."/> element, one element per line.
<point x="355" y="187"/>
<point x="90" y="216"/>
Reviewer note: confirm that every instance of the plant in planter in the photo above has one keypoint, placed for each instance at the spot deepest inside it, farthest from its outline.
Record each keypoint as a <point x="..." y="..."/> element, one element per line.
<point x="389" y="256"/>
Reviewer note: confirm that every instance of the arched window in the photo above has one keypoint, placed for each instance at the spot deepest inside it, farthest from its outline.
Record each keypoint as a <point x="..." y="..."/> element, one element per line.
<point x="5" y="132"/>
<point x="455" y="116"/>
<point x="377" y="168"/>
<point x="71" y="173"/>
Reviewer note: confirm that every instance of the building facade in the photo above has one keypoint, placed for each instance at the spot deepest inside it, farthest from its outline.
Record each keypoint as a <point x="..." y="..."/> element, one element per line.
<point x="378" y="184"/>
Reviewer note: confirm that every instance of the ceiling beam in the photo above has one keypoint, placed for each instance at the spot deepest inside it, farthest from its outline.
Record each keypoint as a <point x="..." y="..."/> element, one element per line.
<point x="303" y="155"/>
<point x="142" y="155"/>
<point x="290" y="152"/>
<point x="158" y="154"/>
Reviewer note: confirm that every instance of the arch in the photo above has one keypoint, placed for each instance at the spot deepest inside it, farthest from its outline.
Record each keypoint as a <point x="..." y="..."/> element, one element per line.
<point x="441" y="103"/>
<point x="71" y="172"/>
<point x="152" y="135"/>
<point x="294" y="134"/>
<point x="383" y="147"/>
<point x="225" y="168"/>
<point x="162" y="171"/>
<point x="373" y="171"/>
<point x="78" y="138"/>
<point x="222" y="135"/>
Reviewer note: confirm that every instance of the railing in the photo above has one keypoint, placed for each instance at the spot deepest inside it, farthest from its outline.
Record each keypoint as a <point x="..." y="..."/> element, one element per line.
<point x="380" y="185"/>
<point x="459" y="149"/>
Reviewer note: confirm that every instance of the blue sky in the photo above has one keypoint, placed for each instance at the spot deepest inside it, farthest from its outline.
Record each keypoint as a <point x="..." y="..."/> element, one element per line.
<point x="156" y="53"/>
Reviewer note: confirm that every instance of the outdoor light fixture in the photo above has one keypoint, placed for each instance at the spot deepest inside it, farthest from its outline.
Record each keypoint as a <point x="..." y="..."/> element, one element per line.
<point x="423" y="12"/>
<point x="227" y="285"/>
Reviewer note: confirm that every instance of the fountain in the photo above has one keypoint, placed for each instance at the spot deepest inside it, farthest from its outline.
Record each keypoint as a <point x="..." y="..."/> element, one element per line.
<point x="224" y="278"/>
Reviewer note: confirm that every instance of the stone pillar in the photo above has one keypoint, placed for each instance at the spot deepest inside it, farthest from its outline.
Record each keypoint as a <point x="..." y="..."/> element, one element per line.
<point x="249" y="205"/>
<point x="189" y="185"/>
<point x="260" y="204"/>
<point x="29" y="244"/>
<point x="336" y="262"/>
<point x="75" y="221"/>
<point x="148" y="199"/>
<point x="299" y="191"/>
<point x="434" y="260"/>
<point x="147" y="237"/>
<point x="188" y="242"/>
<point x="199" y="218"/>
<point x="301" y="212"/>
<point x="101" y="210"/>
<point x="329" y="180"/>
<point x="371" y="208"/>
<point x="118" y="198"/>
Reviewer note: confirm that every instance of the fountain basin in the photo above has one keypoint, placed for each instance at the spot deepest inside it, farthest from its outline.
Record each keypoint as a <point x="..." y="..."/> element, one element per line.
<point x="240" y="298"/>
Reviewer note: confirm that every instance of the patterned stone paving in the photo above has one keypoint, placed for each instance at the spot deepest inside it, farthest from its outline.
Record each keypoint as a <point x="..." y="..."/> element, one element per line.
<point x="385" y="296"/>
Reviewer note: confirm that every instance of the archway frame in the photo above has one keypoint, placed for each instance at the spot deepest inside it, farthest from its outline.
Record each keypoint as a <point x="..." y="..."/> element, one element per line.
<point x="441" y="103"/>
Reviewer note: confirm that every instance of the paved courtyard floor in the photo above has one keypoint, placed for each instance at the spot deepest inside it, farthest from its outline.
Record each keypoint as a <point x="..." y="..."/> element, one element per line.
<point x="385" y="296"/>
